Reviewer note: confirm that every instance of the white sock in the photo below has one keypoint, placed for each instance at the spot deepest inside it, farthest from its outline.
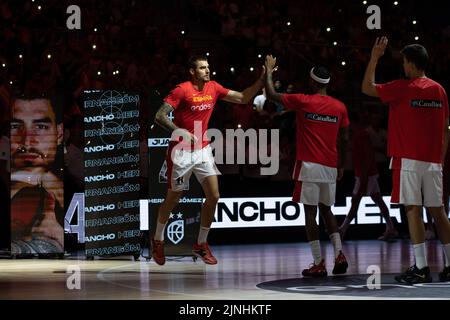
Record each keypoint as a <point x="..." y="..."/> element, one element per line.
<point x="446" y="248"/>
<point x="202" y="235"/>
<point x="337" y="244"/>
<point x="159" y="233"/>
<point x="420" y="255"/>
<point x="316" y="252"/>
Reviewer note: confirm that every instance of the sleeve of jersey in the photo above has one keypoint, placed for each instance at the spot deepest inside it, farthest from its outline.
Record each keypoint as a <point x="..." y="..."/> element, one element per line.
<point x="388" y="92"/>
<point x="292" y="101"/>
<point x="175" y="96"/>
<point x="221" y="91"/>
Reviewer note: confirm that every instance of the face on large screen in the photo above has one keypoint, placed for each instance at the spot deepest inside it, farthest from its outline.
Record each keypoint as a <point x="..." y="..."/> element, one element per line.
<point x="36" y="189"/>
<point x="34" y="135"/>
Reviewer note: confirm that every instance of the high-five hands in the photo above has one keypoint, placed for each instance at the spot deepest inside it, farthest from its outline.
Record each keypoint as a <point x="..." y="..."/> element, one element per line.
<point x="270" y="64"/>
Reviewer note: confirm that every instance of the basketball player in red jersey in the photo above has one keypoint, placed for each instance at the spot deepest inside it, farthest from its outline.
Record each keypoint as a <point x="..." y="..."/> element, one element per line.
<point x="366" y="182"/>
<point x="321" y="122"/>
<point x="192" y="103"/>
<point x="417" y="142"/>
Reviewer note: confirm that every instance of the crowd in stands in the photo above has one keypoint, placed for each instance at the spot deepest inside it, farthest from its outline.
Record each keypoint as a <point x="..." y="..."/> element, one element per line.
<point x="142" y="46"/>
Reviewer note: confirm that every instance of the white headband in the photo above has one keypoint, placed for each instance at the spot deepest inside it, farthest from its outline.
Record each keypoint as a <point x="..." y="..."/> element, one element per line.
<point x="316" y="78"/>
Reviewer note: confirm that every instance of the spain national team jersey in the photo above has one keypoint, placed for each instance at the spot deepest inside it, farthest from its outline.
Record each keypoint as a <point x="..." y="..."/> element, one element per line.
<point x="418" y="113"/>
<point x="192" y="105"/>
<point x="319" y="119"/>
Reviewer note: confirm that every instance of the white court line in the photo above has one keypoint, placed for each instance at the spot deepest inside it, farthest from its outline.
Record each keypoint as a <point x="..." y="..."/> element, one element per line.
<point x="101" y="277"/>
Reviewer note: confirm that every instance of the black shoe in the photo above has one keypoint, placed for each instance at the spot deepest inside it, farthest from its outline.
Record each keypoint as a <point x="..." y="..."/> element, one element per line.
<point x="340" y="264"/>
<point x="415" y="275"/>
<point x="445" y="274"/>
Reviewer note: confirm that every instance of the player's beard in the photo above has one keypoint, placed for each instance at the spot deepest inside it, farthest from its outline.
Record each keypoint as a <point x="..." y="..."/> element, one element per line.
<point x="35" y="157"/>
<point x="201" y="79"/>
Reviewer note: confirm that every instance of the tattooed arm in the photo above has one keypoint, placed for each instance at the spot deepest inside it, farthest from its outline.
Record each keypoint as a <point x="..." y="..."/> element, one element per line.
<point x="162" y="117"/>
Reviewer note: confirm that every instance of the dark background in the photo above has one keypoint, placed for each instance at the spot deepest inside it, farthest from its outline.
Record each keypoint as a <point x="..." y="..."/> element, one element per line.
<point x="140" y="47"/>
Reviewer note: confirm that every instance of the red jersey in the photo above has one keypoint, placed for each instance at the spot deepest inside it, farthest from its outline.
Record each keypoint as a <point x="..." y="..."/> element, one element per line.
<point x="192" y="105"/>
<point x="318" y="121"/>
<point x="363" y="153"/>
<point x="417" y="115"/>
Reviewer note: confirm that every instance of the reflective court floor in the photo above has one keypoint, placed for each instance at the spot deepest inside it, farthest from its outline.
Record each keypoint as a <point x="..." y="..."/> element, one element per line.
<point x="247" y="272"/>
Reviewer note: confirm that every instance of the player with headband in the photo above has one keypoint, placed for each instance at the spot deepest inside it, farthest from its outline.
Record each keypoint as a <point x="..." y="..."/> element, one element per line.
<point x="322" y="134"/>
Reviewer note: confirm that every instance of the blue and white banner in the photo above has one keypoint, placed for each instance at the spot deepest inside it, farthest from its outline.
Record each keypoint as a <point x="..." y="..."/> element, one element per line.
<point x="111" y="161"/>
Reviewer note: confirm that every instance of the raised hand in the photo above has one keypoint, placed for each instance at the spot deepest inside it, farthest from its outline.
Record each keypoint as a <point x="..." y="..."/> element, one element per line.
<point x="379" y="47"/>
<point x="263" y="73"/>
<point x="270" y="64"/>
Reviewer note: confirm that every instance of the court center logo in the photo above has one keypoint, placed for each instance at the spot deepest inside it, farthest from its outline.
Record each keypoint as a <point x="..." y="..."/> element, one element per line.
<point x="175" y="230"/>
<point x="359" y="285"/>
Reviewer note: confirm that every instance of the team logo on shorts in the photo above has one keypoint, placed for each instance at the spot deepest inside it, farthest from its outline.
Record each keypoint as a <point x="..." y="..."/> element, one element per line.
<point x="179" y="181"/>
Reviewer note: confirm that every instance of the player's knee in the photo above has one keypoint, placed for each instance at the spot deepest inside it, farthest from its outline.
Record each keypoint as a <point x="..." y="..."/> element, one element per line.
<point x="437" y="213"/>
<point x="310" y="214"/>
<point x="173" y="200"/>
<point x="213" y="197"/>
<point x="325" y="213"/>
<point x="324" y="210"/>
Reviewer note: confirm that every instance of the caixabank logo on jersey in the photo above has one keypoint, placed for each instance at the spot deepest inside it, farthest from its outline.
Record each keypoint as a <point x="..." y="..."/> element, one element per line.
<point x="426" y="104"/>
<point x="358" y="286"/>
<point x="321" y="117"/>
